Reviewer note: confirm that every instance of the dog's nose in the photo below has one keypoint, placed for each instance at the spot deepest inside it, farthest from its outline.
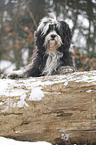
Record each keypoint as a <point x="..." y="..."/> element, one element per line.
<point x="53" y="36"/>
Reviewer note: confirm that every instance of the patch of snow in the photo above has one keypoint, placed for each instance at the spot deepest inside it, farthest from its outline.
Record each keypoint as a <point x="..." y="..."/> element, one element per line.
<point x="84" y="21"/>
<point x="17" y="131"/>
<point x="6" y="2"/>
<point x="21" y="104"/>
<point x="1" y="103"/>
<point x="25" y="56"/>
<point x="37" y="94"/>
<point x="4" y="84"/>
<point x="94" y="1"/>
<point x="88" y="91"/>
<point x="66" y="83"/>
<point x="6" y="141"/>
<point x="14" y="1"/>
<point x="92" y="100"/>
<point x="62" y="130"/>
<point x="7" y="66"/>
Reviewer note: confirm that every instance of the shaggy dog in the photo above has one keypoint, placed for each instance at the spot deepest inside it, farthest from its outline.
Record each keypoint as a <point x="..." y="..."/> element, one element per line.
<point x="52" y="54"/>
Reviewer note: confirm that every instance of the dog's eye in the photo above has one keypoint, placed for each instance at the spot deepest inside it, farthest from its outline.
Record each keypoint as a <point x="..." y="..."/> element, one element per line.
<point x="44" y="23"/>
<point x="51" y="27"/>
<point x="55" y="25"/>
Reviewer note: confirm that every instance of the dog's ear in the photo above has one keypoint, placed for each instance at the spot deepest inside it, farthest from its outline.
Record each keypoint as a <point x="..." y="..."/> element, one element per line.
<point x="37" y="35"/>
<point x="39" y="41"/>
<point x="65" y="33"/>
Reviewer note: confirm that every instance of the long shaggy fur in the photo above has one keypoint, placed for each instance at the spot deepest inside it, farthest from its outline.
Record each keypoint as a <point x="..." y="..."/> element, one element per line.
<point x="52" y="54"/>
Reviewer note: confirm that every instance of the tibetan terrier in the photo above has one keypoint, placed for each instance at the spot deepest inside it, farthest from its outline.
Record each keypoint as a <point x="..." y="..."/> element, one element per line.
<point x="52" y="54"/>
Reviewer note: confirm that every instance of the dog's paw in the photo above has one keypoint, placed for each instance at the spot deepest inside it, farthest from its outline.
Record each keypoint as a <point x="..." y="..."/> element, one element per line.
<point x="66" y="69"/>
<point x="15" y="74"/>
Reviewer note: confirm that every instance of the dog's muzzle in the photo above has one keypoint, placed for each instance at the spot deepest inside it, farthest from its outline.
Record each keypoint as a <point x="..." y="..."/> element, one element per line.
<point x="52" y="41"/>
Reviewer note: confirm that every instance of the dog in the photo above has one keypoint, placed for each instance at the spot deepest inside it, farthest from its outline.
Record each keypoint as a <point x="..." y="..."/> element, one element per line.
<point x="52" y="54"/>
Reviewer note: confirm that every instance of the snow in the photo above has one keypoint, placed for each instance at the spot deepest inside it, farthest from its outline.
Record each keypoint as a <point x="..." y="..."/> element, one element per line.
<point x="6" y="141"/>
<point x="6" y="2"/>
<point x="88" y="91"/>
<point x="7" y="66"/>
<point x="37" y="94"/>
<point x="15" y="93"/>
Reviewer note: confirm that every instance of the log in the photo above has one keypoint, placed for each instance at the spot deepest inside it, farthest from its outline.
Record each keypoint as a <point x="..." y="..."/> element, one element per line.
<point x="59" y="109"/>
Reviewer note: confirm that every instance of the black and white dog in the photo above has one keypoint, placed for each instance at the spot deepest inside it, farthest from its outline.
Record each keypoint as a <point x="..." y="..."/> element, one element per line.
<point x="52" y="54"/>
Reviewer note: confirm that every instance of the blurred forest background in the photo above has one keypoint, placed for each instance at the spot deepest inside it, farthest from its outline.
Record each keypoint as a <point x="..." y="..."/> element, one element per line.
<point x="20" y="18"/>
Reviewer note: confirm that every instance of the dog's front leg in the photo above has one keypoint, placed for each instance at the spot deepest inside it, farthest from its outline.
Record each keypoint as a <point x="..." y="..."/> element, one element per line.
<point x="66" y="69"/>
<point x="31" y="70"/>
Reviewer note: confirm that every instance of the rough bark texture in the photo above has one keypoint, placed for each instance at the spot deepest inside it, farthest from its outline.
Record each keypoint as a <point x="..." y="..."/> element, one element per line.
<point x="65" y="115"/>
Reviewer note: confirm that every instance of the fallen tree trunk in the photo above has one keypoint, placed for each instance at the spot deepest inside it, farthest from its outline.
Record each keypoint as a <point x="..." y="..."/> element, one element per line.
<point x="58" y="109"/>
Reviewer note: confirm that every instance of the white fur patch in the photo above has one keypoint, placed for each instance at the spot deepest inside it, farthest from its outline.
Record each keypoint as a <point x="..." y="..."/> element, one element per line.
<point x="52" y="63"/>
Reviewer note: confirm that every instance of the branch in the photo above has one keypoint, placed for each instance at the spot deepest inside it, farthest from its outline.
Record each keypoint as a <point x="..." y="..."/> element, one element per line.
<point x="31" y="15"/>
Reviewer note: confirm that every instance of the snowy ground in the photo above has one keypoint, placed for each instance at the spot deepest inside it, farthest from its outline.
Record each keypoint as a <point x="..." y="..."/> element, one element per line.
<point x="5" y="141"/>
<point x="7" y="66"/>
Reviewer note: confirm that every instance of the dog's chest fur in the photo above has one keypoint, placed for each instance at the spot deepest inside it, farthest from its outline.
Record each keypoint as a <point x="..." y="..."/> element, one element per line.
<point x="52" y="63"/>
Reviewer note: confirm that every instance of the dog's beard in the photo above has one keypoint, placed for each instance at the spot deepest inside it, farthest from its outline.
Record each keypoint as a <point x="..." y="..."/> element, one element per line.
<point x="52" y="63"/>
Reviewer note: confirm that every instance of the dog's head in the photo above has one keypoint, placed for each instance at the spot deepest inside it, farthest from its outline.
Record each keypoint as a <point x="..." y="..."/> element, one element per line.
<point x="52" y="34"/>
